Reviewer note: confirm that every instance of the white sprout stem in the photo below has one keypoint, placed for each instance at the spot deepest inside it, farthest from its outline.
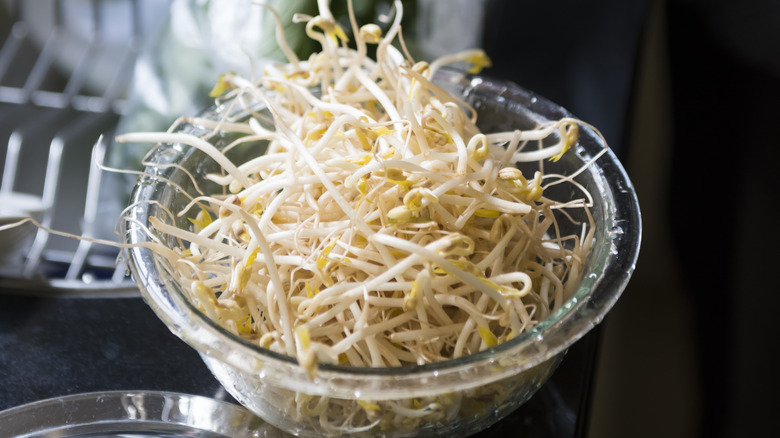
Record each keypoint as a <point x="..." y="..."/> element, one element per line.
<point x="370" y="330"/>
<point x="430" y="254"/>
<point x="380" y="95"/>
<point x="272" y="267"/>
<point x="191" y="140"/>
<point x="280" y="38"/>
<point x="357" y="290"/>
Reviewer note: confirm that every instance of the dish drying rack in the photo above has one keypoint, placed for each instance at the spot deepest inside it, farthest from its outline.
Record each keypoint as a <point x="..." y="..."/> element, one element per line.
<point x="55" y="126"/>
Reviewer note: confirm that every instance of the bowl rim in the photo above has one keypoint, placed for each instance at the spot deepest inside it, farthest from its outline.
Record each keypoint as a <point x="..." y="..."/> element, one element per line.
<point x="601" y="286"/>
<point x="116" y="412"/>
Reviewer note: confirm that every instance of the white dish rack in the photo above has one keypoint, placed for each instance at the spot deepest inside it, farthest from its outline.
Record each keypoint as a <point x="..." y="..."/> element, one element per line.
<point x="55" y="123"/>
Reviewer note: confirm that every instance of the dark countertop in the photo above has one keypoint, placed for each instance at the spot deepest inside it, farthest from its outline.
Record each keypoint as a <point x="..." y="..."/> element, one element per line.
<point x="53" y="346"/>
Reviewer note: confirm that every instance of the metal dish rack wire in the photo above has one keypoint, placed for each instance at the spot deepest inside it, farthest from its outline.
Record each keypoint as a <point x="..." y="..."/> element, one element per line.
<point x="54" y="126"/>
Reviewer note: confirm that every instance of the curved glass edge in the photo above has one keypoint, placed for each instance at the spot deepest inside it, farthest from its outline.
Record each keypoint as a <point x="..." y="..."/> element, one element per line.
<point x="595" y="297"/>
<point x="117" y="412"/>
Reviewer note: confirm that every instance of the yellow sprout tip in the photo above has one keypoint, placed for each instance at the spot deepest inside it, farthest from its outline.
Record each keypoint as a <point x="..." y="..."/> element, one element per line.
<point x="309" y="290"/>
<point x="487" y="336"/>
<point x="221" y="86"/>
<point x="477" y="62"/>
<point x="371" y="33"/>
<point x="484" y="212"/>
<point x="369" y="406"/>
<point x="303" y="337"/>
<point x="252" y="257"/>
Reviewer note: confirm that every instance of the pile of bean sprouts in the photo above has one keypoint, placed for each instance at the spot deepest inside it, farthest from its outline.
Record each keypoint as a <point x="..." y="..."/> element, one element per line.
<point x="381" y="228"/>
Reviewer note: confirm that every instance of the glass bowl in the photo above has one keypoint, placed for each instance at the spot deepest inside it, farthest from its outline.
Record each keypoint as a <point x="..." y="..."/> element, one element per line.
<point x="466" y="394"/>
<point x="137" y="414"/>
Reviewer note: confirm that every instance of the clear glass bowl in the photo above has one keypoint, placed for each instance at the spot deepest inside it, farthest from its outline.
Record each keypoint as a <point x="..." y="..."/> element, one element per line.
<point x="472" y="392"/>
<point x="136" y="414"/>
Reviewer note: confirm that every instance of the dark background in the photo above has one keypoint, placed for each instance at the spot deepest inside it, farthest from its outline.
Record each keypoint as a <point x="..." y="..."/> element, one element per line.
<point x="688" y="93"/>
